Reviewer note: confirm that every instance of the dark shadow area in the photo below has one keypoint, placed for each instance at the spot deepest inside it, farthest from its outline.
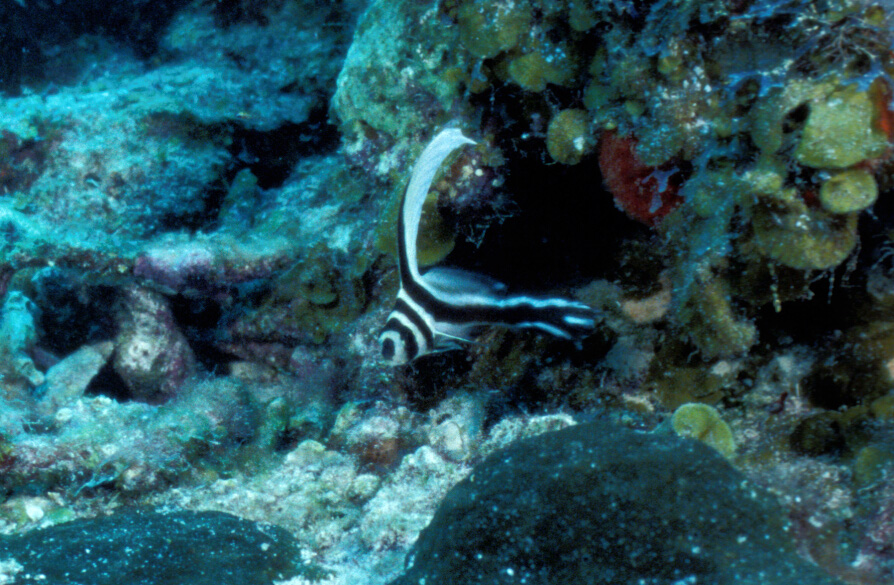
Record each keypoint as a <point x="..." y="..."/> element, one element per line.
<point x="108" y="383"/>
<point x="564" y="230"/>
<point x="33" y="27"/>
<point x="72" y="312"/>
<point x="434" y="375"/>
<point x="199" y="319"/>
<point x="269" y="155"/>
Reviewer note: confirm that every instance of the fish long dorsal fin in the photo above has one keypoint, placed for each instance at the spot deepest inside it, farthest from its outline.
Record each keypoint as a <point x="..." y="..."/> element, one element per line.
<point x="424" y="172"/>
<point x="445" y="307"/>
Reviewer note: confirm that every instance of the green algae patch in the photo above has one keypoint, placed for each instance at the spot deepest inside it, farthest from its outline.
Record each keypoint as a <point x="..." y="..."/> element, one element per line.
<point x="804" y="238"/>
<point x="533" y="71"/>
<point x="676" y="385"/>
<point x="841" y="131"/>
<point x="703" y="423"/>
<point x="883" y="407"/>
<point x="848" y="191"/>
<point x="152" y="548"/>
<point x="597" y="97"/>
<point x="567" y="137"/>
<point x="601" y="504"/>
<point x="713" y="324"/>
<point x="487" y="29"/>
<point x="870" y="466"/>
<point x="819" y="434"/>
<point x="768" y="176"/>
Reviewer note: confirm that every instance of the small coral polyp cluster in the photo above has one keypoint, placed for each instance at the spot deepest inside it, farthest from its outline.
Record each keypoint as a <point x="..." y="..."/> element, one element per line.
<point x="748" y="134"/>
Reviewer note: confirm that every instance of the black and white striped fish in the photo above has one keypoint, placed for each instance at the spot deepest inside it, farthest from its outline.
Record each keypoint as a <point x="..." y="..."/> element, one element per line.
<point x="444" y="306"/>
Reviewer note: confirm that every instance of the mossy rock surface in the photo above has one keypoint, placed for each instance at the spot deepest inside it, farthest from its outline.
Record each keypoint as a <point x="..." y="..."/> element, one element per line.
<point x="713" y="324"/>
<point x="819" y="434"/>
<point x="703" y="423"/>
<point x="488" y="28"/>
<point x="533" y="71"/>
<point x="143" y="547"/>
<point x="680" y="384"/>
<point x="805" y="238"/>
<point x="871" y="465"/>
<point x="848" y="191"/>
<point x="841" y="131"/>
<point x="568" y="137"/>
<point x="601" y="504"/>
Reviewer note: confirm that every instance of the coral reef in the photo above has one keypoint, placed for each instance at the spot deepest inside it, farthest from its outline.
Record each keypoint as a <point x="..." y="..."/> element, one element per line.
<point x="750" y="139"/>
<point x="733" y="139"/>
<point x="196" y="255"/>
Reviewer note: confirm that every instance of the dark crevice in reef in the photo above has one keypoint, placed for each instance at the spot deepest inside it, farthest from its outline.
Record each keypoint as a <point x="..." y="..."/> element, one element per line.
<point x="71" y="313"/>
<point x="269" y="155"/>
<point x="200" y="319"/>
<point x="30" y="28"/>
<point x="108" y="383"/>
<point x="433" y="375"/>
<point x="272" y="155"/>
<point x="564" y="228"/>
<point x="812" y="321"/>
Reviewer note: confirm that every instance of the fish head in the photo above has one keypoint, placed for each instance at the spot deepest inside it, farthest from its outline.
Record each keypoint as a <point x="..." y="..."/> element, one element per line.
<point x="393" y="347"/>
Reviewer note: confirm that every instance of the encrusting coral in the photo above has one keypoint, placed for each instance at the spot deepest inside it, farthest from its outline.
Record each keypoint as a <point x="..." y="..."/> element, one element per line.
<point x="737" y="138"/>
<point x="703" y="423"/>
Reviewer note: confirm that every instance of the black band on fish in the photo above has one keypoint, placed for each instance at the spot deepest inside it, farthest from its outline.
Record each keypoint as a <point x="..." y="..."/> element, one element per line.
<point x="402" y="307"/>
<point x="401" y="342"/>
<point x="442" y="306"/>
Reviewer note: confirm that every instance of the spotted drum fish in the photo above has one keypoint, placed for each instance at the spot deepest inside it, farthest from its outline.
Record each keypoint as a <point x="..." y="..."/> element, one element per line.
<point x="436" y="310"/>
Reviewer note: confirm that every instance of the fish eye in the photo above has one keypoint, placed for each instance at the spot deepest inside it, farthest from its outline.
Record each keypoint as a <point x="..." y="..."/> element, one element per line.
<point x="388" y="348"/>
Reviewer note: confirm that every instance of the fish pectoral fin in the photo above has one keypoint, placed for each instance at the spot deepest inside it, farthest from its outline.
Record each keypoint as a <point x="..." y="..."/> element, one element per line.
<point x="447" y="343"/>
<point x="462" y="332"/>
<point x="452" y="339"/>
<point x="443" y="345"/>
<point x="456" y="280"/>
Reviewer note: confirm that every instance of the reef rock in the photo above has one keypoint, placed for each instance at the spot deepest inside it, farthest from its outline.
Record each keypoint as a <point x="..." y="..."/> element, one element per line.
<point x="18" y="335"/>
<point x="151" y="354"/>
<point x="154" y="548"/>
<point x="68" y="380"/>
<point x="597" y="503"/>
